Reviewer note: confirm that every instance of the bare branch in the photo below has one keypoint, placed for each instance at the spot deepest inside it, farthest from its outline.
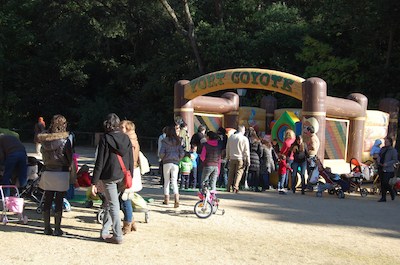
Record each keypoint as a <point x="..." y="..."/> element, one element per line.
<point x="172" y="14"/>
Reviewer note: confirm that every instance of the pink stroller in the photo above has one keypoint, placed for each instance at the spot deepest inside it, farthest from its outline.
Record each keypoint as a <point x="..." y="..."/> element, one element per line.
<point x="13" y="204"/>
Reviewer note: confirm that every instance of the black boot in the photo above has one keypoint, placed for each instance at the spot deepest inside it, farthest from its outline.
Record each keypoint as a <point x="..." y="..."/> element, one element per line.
<point x="46" y="221"/>
<point x="57" y="220"/>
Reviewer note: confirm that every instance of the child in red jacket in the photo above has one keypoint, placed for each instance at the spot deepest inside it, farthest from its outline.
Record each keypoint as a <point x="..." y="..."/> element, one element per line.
<point x="283" y="167"/>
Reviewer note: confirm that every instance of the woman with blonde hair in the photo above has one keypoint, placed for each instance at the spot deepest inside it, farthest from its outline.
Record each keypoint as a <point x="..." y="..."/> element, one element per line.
<point x="289" y="139"/>
<point x="128" y="127"/>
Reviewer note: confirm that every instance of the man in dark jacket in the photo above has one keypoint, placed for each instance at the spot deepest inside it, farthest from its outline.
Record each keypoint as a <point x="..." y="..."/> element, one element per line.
<point x="13" y="155"/>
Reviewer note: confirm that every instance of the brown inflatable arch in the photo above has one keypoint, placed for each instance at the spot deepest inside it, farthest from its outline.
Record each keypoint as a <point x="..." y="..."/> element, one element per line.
<point x="312" y="92"/>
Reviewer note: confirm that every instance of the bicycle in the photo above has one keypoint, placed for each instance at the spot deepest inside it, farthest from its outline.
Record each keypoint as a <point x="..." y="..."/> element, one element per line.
<point x="208" y="203"/>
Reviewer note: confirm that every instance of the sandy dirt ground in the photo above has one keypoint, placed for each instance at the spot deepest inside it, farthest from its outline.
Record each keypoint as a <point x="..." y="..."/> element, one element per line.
<point x="257" y="228"/>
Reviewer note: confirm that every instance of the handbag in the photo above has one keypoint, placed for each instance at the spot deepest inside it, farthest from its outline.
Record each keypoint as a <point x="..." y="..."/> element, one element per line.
<point x="127" y="173"/>
<point x="143" y="164"/>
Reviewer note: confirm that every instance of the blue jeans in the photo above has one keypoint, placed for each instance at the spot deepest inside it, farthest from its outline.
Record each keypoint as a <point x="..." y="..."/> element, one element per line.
<point x="282" y="180"/>
<point x="111" y="218"/>
<point x="289" y="163"/>
<point x="210" y="172"/>
<point x="16" y="160"/>
<point x="127" y="208"/>
<point x="295" y="167"/>
<point x="223" y="175"/>
<point x="193" y="178"/>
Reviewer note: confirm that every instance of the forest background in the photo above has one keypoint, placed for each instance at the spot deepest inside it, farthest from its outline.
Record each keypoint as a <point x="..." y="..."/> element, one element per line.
<point x="87" y="58"/>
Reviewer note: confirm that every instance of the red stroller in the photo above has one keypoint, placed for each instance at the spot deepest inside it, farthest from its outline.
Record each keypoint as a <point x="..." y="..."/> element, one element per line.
<point x="358" y="173"/>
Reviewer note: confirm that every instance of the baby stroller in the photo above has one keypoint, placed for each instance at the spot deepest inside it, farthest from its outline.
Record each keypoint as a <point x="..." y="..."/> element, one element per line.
<point x="373" y="177"/>
<point x="358" y="173"/>
<point x="138" y="205"/>
<point x="333" y="183"/>
<point x="13" y="203"/>
<point x="32" y="190"/>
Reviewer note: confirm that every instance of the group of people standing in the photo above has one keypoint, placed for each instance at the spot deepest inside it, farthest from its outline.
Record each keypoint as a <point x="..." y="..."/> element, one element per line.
<point x="57" y="149"/>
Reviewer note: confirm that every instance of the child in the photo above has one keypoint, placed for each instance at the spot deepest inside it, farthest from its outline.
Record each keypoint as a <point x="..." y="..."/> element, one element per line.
<point x="193" y="173"/>
<point x="84" y="179"/>
<point x="283" y="167"/>
<point x="185" y="167"/>
<point x="375" y="150"/>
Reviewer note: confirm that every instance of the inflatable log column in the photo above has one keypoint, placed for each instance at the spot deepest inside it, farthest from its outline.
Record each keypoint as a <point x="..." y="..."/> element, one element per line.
<point x="227" y="104"/>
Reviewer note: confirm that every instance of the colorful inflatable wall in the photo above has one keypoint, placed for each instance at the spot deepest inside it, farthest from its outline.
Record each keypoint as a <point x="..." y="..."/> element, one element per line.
<point x="252" y="117"/>
<point x="376" y="127"/>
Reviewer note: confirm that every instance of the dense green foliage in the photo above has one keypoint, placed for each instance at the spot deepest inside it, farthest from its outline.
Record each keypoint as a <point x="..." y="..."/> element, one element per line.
<point x="86" y="58"/>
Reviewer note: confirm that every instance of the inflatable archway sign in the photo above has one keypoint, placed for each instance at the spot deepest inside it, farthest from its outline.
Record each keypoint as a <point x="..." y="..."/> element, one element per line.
<point x="264" y="79"/>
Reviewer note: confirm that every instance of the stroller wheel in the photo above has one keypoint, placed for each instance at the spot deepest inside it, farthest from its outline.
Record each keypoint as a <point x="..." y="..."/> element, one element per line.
<point x="39" y="210"/>
<point x="146" y="217"/>
<point x="363" y="192"/>
<point x="340" y="194"/>
<point x="99" y="216"/>
<point x="331" y="192"/>
<point x="88" y="204"/>
<point x="318" y="194"/>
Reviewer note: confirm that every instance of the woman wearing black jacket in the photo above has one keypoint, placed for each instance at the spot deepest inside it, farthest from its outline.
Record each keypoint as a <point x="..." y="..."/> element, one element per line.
<point x="108" y="170"/>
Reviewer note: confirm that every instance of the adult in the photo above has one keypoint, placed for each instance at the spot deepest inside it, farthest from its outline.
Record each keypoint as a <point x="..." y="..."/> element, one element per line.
<point x="160" y="165"/>
<point x="238" y="154"/>
<point x="40" y="127"/>
<point x="300" y="154"/>
<point x="13" y="155"/>
<point x="183" y="133"/>
<point x="223" y="172"/>
<point x="387" y="158"/>
<point x="108" y="169"/>
<point x="57" y="154"/>
<point x="171" y="153"/>
<point x="267" y="162"/>
<point x="211" y="157"/>
<point x="129" y="128"/>
<point x="198" y="139"/>
<point x="312" y="142"/>
<point x="255" y="154"/>
<point x="289" y="139"/>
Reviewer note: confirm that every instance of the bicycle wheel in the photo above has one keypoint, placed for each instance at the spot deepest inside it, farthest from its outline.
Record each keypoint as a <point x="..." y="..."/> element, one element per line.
<point x="203" y="210"/>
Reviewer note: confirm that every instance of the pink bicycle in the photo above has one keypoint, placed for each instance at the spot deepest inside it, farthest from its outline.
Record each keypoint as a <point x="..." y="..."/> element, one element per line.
<point x="208" y="203"/>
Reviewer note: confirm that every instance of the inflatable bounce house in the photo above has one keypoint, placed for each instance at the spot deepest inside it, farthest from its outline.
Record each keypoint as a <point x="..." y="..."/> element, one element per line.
<point x="344" y="126"/>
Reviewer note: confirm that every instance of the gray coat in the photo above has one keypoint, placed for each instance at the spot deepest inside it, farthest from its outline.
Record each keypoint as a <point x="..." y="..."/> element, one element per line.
<point x="391" y="158"/>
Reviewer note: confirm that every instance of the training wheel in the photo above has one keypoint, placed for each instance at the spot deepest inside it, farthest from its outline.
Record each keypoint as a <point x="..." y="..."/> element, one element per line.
<point x="25" y="220"/>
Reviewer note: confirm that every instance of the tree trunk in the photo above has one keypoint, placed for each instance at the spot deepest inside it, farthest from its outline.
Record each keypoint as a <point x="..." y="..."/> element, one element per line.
<point x="189" y="33"/>
<point x="389" y="48"/>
